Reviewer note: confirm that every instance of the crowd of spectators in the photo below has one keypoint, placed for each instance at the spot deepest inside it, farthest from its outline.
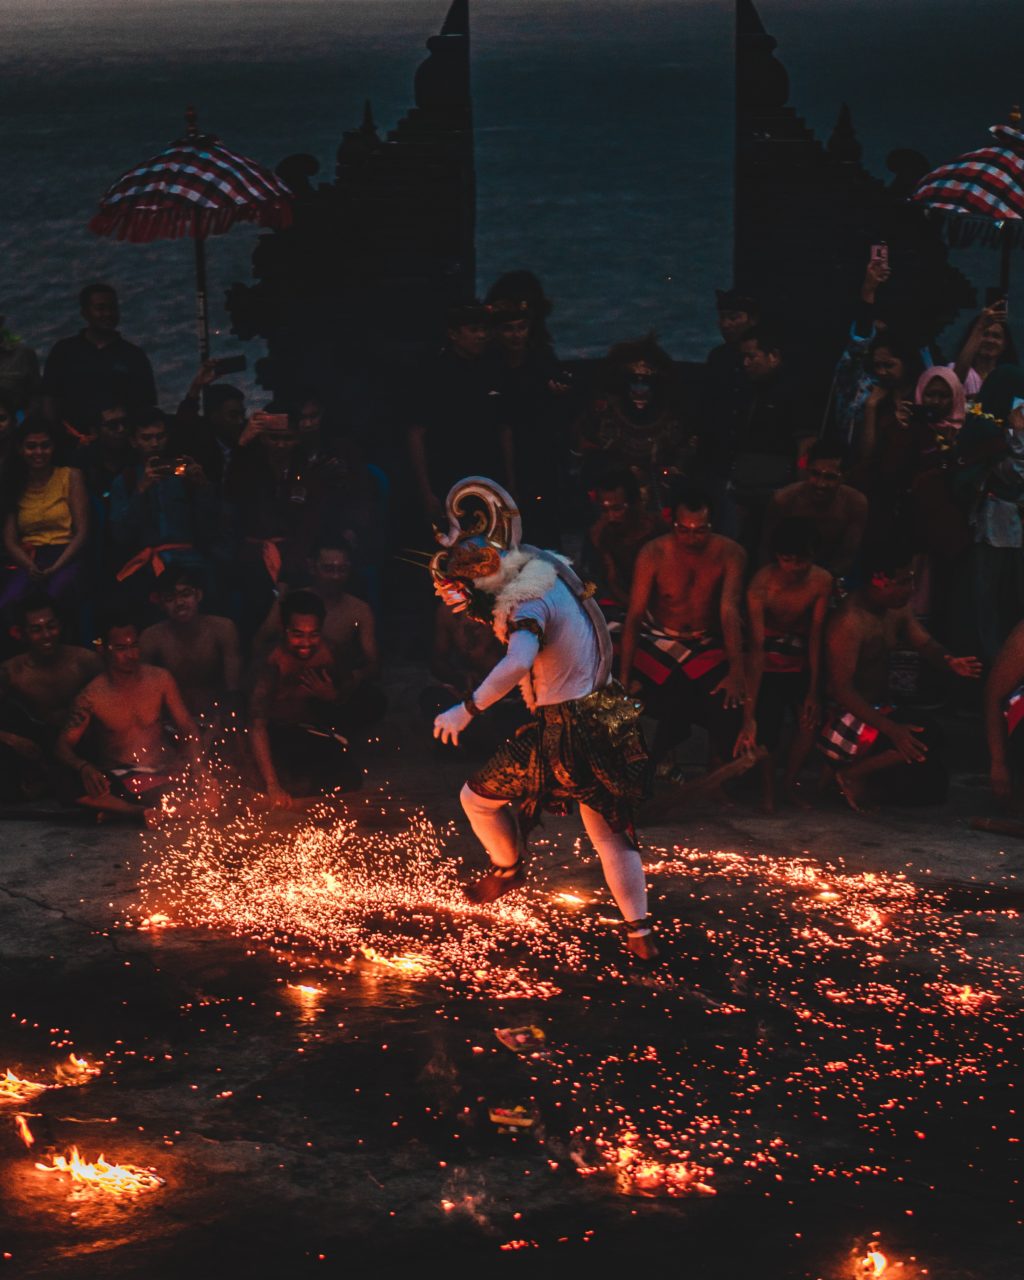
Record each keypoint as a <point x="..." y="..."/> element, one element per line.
<point x="805" y="563"/>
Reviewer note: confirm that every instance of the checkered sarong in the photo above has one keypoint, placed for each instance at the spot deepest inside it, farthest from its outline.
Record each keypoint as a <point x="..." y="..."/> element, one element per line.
<point x="845" y="738"/>
<point x="660" y="654"/>
<point x="785" y="652"/>
<point x="1013" y="709"/>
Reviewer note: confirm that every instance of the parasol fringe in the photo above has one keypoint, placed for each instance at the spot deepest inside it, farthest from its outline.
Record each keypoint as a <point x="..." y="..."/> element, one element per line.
<point x="963" y="230"/>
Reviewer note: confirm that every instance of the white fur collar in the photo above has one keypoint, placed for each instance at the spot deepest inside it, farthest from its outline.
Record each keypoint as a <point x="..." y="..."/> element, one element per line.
<point x="523" y="577"/>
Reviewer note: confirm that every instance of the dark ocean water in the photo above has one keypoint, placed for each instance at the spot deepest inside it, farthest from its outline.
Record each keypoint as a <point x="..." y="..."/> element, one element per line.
<point x="604" y="133"/>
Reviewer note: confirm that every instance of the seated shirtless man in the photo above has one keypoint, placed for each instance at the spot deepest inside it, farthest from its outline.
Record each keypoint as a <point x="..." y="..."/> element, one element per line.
<point x="37" y="689"/>
<point x="297" y="732"/>
<point x="130" y="759"/>
<point x="869" y="740"/>
<point x="838" y="511"/>
<point x="787" y="602"/>
<point x="682" y="642"/>
<point x="349" y="631"/>
<point x="198" y="649"/>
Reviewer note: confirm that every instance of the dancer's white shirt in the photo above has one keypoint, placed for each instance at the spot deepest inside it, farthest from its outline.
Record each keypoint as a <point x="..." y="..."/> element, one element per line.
<point x="567" y="665"/>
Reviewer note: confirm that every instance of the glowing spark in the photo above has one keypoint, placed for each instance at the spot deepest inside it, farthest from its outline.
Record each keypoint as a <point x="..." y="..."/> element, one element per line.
<point x="392" y="897"/>
<point x="640" y="1174"/>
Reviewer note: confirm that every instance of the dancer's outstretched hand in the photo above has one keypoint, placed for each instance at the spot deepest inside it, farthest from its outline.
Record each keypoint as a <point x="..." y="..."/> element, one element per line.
<point x="449" y="724"/>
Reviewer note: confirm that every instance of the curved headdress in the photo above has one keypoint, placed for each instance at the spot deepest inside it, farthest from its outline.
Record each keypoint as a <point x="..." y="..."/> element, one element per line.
<point x="478" y="537"/>
<point x="493" y="530"/>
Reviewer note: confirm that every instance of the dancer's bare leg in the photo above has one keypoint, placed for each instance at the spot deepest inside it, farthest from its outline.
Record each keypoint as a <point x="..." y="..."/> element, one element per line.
<point x="495" y="828"/>
<point x="624" y="875"/>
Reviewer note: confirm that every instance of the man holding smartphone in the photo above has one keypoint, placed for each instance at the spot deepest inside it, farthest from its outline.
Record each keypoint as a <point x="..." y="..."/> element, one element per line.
<point x="211" y="420"/>
<point x="163" y="509"/>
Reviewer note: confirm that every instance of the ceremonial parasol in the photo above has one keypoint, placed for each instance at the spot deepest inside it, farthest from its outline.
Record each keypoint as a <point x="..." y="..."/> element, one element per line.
<point x="197" y="188"/>
<point x="980" y="195"/>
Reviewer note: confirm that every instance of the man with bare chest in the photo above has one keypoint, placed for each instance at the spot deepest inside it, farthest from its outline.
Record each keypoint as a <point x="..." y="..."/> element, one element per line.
<point x="348" y="630"/>
<point x="124" y="710"/>
<point x="869" y="740"/>
<point x="787" y="602"/>
<point x="838" y="511"/>
<point x="682" y="643"/>
<point x="199" y="650"/>
<point x="37" y="689"/>
<point x="296" y="711"/>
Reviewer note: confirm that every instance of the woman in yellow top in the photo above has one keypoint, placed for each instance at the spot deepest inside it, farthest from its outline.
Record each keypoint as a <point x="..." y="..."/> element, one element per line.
<point x="46" y="516"/>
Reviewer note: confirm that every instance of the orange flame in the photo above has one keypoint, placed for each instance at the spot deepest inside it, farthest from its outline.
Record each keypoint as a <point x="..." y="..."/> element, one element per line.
<point x="306" y="990"/>
<point x="158" y="920"/>
<point x="14" y="1089"/>
<point x="412" y="964"/>
<point x="76" y="1071"/>
<point x="874" y="1263"/>
<point x="24" y="1132"/>
<point x="67" y="1074"/>
<point x="114" y="1179"/>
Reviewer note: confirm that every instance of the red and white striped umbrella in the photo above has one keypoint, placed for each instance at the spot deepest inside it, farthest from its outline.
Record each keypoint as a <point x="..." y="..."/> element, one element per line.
<point x="196" y="188"/>
<point x="980" y="195"/>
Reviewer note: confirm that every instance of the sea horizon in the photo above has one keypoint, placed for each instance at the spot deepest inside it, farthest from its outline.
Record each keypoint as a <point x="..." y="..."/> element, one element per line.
<point x="603" y="152"/>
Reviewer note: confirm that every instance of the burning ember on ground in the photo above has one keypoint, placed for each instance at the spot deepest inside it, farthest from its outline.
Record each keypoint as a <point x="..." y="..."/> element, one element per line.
<point x="639" y="1174"/>
<point x="812" y="1023"/>
<point x="99" y="1174"/>
<point x="158" y="920"/>
<point x="110" y="1179"/>
<point x="14" y="1089"/>
<point x="75" y="1071"/>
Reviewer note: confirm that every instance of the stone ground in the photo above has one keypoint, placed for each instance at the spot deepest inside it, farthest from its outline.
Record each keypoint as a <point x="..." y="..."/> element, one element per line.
<point x="831" y="1046"/>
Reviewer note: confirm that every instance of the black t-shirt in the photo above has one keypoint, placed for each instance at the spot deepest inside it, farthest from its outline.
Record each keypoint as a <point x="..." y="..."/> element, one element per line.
<point x="78" y="374"/>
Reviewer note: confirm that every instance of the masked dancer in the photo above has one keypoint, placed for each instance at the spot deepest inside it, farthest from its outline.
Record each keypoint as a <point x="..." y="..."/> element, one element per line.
<point x="584" y="743"/>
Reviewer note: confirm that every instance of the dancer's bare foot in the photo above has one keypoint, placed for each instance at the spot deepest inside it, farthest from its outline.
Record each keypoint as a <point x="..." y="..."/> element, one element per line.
<point x="640" y="942"/>
<point x="497" y="882"/>
<point x="853" y="792"/>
